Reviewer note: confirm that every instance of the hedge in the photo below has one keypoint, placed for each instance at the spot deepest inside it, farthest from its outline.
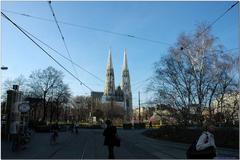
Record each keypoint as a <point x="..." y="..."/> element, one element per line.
<point x="139" y="125"/>
<point x="42" y="128"/>
<point x="127" y="126"/>
<point x="224" y="137"/>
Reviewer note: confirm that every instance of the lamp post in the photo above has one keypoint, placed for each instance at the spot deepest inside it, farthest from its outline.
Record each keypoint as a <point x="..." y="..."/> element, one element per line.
<point x="139" y="107"/>
<point x="4" y="68"/>
<point x="111" y="115"/>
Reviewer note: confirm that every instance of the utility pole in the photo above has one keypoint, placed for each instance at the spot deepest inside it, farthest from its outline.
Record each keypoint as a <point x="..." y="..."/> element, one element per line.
<point x="51" y="114"/>
<point x="111" y="110"/>
<point x="125" y="110"/>
<point x="139" y="107"/>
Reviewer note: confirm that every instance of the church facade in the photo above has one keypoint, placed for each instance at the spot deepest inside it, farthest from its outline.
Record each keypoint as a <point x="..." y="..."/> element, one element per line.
<point x="122" y="95"/>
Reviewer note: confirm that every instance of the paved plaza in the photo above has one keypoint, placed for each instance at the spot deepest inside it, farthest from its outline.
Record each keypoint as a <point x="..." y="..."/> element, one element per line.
<point x="88" y="144"/>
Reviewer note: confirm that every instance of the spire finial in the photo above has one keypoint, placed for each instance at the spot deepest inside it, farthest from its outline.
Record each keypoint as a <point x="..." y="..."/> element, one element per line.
<point x="125" y="66"/>
<point x="109" y="65"/>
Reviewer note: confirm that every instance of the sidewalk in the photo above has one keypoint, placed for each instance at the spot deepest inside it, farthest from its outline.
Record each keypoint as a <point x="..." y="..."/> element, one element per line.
<point x="168" y="149"/>
<point x="39" y="147"/>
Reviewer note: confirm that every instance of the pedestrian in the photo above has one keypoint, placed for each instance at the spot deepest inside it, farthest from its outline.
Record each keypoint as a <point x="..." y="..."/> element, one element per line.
<point x="110" y="134"/>
<point x="72" y="127"/>
<point x="13" y="130"/>
<point x="76" y="127"/>
<point x="150" y="124"/>
<point x="204" y="147"/>
<point x="55" y="129"/>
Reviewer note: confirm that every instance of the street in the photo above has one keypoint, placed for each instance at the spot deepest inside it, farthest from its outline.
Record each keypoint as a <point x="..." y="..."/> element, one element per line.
<point x="88" y="144"/>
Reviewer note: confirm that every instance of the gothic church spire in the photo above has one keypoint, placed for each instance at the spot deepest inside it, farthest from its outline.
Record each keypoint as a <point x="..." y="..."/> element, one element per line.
<point x="109" y="89"/>
<point x="125" y="66"/>
<point x="126" y="88"/>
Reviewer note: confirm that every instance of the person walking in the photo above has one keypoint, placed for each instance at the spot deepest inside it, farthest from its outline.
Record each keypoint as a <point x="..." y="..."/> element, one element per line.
<point x="150" y="124"/>
<point x="110" y="134"/>
<point x="13" y="130"/>
<point x="72" y="127"/>
<point x="54" y="135"/>
<point x="76" y="127"/>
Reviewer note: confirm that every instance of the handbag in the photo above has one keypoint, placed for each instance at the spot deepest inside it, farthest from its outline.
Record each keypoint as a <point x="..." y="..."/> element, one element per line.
<point x="117" y="141"/>
<point x="208" y="152"/>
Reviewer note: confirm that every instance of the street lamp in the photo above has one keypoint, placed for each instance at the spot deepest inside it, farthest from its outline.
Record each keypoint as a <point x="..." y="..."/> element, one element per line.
<point x="139" y="114"/>
<point x="4" y="68"/>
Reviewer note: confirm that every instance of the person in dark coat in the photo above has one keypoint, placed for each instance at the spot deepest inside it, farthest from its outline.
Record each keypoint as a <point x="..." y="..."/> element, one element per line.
<point x="72" y="127"/>
<point x="110" y="135"/>
<point x="150" y="124"/>
<point x="56" y="129"/>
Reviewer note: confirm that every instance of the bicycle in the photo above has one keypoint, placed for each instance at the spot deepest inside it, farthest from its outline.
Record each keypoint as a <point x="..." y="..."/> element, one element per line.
<point x="15" y="146"/>
<point x="15" y="143"/>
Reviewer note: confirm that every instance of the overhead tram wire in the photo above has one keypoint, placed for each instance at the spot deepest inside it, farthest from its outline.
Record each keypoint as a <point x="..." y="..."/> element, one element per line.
<point x="219" y="17"/>
<point x="19" y="28"/>
<point x="91" y="28"/>
<point x="64" y="42"/>
<point x="147" y="79"/>
<point x="48" y="46"/>
<point x="117" y="33"/>
<point x="231" y="49"/>
<point x="211" y="24"/>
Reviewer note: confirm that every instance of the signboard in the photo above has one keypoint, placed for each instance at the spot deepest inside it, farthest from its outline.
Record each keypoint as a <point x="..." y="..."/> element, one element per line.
<point x="24" y="107"/>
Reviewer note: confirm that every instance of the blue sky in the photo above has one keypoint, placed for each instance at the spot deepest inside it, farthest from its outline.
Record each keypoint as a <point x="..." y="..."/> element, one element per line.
<point x="162" y="21"/>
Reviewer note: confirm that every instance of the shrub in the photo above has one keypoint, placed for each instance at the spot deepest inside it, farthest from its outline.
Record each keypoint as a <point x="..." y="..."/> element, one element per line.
<point x="96" y="126"/>
<point x="127" y="126"/>
<point x="63" y="127"/>
<point x="139" y="125"/>
<point x="93" y="126"/>
<point x="224" y="137"/>
<point x="42" y="128"/>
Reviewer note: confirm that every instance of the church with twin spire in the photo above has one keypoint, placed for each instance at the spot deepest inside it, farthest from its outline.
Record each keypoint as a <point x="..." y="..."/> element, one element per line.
<point x="122" y="95"/>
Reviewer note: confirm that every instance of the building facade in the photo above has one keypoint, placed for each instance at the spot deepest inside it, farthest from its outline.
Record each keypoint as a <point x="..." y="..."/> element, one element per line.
<point x="122" y="95"/>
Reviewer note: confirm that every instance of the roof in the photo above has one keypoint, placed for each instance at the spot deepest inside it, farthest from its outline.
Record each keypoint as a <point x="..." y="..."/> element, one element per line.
<point x="96" y="94"/>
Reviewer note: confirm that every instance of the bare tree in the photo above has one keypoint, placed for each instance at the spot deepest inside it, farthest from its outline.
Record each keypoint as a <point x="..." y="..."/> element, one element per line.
<point x="42" y="82"/>
<point x="60" y="96"/>
<point x="21" y="81"/>
<point x="99" y="114"/>
<point x="83" y="107"/>
<point x="194" y="73"/>
<point x="113" y="110"/>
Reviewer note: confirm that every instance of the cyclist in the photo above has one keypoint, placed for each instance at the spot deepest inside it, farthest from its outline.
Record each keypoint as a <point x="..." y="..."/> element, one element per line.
<point x="54" y="135"/>
<point x="76" y="127"/>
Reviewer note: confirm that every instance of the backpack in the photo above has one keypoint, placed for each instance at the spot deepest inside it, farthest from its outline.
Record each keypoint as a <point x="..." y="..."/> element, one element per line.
<point x="208" y="152"/>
